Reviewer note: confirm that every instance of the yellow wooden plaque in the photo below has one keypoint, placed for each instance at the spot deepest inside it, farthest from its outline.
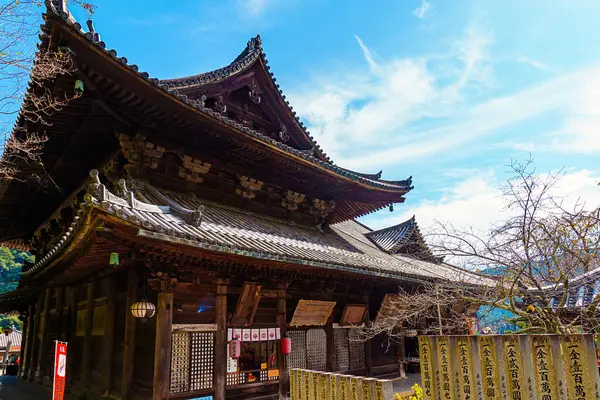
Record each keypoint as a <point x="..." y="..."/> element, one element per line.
<point x="428" y="378"/>
<point x="366" y="389"/>
<point x="514" y="368"/>
<point x="293" y="394"/>
<point x="580" y="384"/>
<point x="489" y="368"/>
<point x="306" y="388"/>
<point x="314" y="395"/>
<point x="323" y="386"/>
<point x="354" y="389"/>
<point x="333" y="389"/>
<point x="300" y="384"/>
<point x="446" y="375"/>
<point x="465" y="368"/>
<point x="312" y="312"/>
<point x="379" y="392"/>
<point x="344" y="392"/>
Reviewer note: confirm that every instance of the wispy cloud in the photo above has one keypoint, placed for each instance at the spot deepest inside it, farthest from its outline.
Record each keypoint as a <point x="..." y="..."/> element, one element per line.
<point x="254" y="7"/>
<point x="420" y="12"/>
<point x="534" y="63"/>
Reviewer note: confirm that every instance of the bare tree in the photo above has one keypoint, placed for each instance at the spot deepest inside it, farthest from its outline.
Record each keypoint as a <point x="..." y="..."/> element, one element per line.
<point x="544" y="258"/>
<point x="26" y="74"/>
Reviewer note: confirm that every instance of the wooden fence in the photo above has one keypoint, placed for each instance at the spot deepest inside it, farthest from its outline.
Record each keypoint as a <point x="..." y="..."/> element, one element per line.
<point x="509" y="367"/>
<point x="318" y="385"/>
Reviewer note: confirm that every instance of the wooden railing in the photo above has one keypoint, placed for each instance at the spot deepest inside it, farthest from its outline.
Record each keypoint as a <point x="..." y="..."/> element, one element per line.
<point x="537" y="367"/>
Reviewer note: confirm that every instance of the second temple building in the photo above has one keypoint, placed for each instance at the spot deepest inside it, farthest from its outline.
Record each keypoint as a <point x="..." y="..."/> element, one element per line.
<point x="170" y="217"/>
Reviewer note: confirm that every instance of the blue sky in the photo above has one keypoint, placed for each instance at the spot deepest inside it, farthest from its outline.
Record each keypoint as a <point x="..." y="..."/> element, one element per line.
<point x="445" y="91"/>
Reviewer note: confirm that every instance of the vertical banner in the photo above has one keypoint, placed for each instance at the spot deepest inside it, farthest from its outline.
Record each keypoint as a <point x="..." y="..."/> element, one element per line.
<point x="465" y="368"/>
<point x="514" y="368"/>
<point x="60" y="370"/>
<point x="489" y="368"/>
<point x="446" y="375"/>
<point x="427" y="368"/>
<point x="579" y="380"/>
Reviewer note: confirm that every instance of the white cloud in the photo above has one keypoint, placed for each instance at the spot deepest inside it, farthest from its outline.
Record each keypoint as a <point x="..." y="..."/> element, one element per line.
<point x="534" y="63"/>
<point x="477" y="202"/>
<point x="357" y="109"/>
<point x="420" y="12"/>
<point x="254" y="7"/>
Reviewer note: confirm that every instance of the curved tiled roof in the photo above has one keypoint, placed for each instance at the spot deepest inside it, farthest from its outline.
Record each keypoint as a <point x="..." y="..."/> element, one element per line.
<point x="388" y="239"/>
<point x="253" y="52"/>
<point x="93" y="38"/>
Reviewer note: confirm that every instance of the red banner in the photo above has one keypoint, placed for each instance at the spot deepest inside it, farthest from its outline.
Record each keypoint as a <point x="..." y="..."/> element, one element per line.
<point x="60" y="370"/>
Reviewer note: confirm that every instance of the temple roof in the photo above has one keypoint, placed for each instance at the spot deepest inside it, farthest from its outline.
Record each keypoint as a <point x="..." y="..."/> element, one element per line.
<point x="404" y="238"/>
<point x="165" y="216"/>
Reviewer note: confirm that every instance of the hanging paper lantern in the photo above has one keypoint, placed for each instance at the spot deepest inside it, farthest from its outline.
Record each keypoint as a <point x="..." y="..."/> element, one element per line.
<point x="234" y="348"/>
<point x="286" y="346"/>
<point x="143" y="310"/>
<point x="114" y="259"/>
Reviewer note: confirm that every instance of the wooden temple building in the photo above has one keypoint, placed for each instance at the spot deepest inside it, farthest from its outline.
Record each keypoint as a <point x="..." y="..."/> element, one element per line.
<point x="205" y="199"/>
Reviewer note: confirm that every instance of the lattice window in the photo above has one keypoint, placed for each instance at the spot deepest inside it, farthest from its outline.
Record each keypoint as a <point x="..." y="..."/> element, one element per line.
<point x="316" y="348"/>
<point x="356" y="349"/>
<point x="340" y="344"/>
<point x="202" y="355"/>
<point x="298" y="357"/>
<point x="180" y="362"/>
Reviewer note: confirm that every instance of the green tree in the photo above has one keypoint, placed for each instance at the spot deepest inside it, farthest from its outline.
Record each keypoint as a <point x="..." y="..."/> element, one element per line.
<point x="11" y="262"/>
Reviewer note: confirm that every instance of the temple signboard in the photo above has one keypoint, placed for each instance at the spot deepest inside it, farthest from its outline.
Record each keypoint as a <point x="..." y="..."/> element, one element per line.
<point x="312" y="312"/>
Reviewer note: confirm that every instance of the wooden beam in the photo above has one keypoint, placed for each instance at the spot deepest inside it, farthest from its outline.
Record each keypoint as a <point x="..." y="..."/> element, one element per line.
<point x="39" y="375"/>
<point x="34" y="339"/>
<point x="109" y="334"/>
<point x="367" y="343"/>
<point x="282" y="324"/>
<point x="129" y="339"/>
<point x="87" y="338"/>
<point x="162" y="347"/>
<point x="26" y="328"/>
<point x="329" y="360"/>
<point x="221" y="340"/>
<point x="28" y="339"/>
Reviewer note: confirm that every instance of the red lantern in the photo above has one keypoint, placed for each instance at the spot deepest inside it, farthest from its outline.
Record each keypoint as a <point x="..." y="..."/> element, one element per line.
<point x="234" y="348"/>
<point x="286" y="346"/>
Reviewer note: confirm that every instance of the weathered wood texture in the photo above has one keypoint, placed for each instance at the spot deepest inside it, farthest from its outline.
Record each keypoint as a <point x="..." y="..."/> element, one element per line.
<point x="108" y="338"/>
<point x="43" y="340"/>
<point x="28" y="341"/>
<point x="162" y="348"/>
<point x="221" y="340"/>
<point x="509" y="367"/>
<point x="87" y="339"/>
<point x="129" y="340"/>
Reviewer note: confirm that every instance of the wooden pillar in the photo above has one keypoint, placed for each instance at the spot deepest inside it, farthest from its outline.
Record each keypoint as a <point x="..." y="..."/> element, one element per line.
<point x="221" y="340"/>
<point x="25" y="337"/>
<point x="109" y="334"/>
<point x="129" y="339"/>
<point x="71" y="334"/>
<point x="87" y="338"/>
<point x="34" y="339"/>
<point x="367" y="343"/>
<point x="282" y="324"/>
<point x="43" y="349"/>
<point x="329" y="360"/>
<point x="162" y="347"/>
<point x="60" y="298"/>
<point x="28" y="339"/>
<point x="402" y="357"/>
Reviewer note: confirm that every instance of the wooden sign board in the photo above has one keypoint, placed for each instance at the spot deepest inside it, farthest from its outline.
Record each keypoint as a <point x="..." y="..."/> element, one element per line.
<point x="353" y="314"/>
<point x="387" y="308"/>
<point x="312" y="312"/>
<point x="247" y="304"/>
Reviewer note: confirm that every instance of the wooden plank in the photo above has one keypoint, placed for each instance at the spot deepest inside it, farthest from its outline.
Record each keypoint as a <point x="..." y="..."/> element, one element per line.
<point x="428" y="375"/>
<point x="514" y="368"/>
<point x="353" y="314"/>
<point x="247" y="304"/>
<point x="592" y="365"/>
<point x="465" y="368"/>
<point x="43" y="339"/>
<point x="543" y="367"/>
<point x="129" y="338"/>
<point x="580" y="384"/>
<point x="162" y="346"/>
<point x="284" y="379"/>
<point x="312" y="312"/>
<point x="87" y="339"/>
<point x="221" y="340"/>
<point x="109" y="334"/>
<point x="489" y="368"/>
<point x="501" y="366"/>
<point x="28" y="341"/>
<point x="528" y="360"/>
<point x="330" y="345"/>
<point x="477" y="368"/>
<point x="558" y="366"/>
<point x="446" y="374"/>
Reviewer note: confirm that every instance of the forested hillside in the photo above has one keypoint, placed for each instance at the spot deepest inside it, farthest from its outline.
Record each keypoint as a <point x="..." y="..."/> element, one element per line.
<point x="11" y="262"/>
